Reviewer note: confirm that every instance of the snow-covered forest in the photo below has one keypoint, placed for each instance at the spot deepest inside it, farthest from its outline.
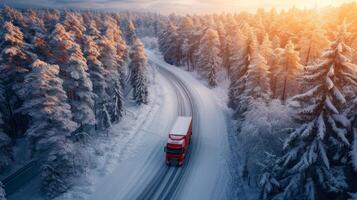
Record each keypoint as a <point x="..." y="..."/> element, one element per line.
<point x="293" y="93"/>
<point x="62" y="81"/>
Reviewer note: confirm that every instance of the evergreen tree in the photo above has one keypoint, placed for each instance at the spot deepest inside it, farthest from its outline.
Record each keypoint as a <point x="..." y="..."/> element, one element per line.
<point x="14" y="65"/>
<point x="51" y="125"/>
<point x="312" y="44"/>
<point x="130" y="33"/>
<point x="316" y="159"/>
<point x="73" y="24"/>
<point x="2" y="192"/>
<point x="249" y="46"/>
<point x="109" y="59"/>
<point x="266" y="50"/>
<point x="209" y="60"/>
<point x="184" y="31"/>
<point x="5" y="152"/>
<point x="168" y="43"/>
<point x="76" y="81"/>
<point x="98" y="76"/>
<point x="258" y="83"/>
<point x="288" y="72"/>
<point x="138" y="67"/>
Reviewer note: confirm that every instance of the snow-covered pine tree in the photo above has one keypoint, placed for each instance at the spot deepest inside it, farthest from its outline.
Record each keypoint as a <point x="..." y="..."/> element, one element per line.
<point x="51" y="125"/>
<point x="184" y="31"/>
<point x="74" y="25"/>
<point x="79" y="85"/>
<point x="92" y="30"/>
<point x="138" y="67"/>
<point x="289" y="70"/>
<point x="266" y="50"/>
<point x="168" y="43"/>
<point x="14" y="65"/>
<point x="209" y="61"/>
<point x="249" y="45"/>
<point x="130" y="33"/>
<point x="312" y="43"/>
<point x="114" y="34"/>
<point x="224" y="39"/>
<point x="276" y="42"/>
<point x="109" y="59"/>
<point x="98" y="76"/>
<point x="76" y="81"/>
<point x="317" y="154"/>
<point x="4" y="140"/>
<point x="354" y="149"/>
<point x="257" y="87"/>
<point x="2" y="192"/>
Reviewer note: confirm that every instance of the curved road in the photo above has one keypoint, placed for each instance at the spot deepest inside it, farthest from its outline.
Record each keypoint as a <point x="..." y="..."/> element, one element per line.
<point x="166" y="180"/>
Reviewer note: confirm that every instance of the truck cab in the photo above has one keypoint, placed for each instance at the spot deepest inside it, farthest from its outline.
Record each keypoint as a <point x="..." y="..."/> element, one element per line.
<point x="178" y="141"/>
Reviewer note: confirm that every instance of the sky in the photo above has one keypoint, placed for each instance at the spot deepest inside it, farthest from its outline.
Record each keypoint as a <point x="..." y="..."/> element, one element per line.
<point x="175" y="6"/>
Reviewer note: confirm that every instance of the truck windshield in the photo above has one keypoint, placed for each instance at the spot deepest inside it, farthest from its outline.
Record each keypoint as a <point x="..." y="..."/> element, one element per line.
<point x="174" y="151"/>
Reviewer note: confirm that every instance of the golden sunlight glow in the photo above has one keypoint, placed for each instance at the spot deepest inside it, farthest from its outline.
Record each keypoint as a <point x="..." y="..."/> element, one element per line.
<point x="252" y="5"/>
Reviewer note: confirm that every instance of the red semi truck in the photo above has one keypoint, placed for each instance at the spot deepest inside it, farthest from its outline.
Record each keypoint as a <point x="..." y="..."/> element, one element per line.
<point x="178" y="141"/>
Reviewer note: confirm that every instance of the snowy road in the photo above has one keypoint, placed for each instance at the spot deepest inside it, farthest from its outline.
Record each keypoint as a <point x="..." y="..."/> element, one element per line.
<point x="205" y="173"/>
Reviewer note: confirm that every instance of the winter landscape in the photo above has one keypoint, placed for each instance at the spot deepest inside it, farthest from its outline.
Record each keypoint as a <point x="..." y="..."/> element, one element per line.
<point x="191" y="99"/>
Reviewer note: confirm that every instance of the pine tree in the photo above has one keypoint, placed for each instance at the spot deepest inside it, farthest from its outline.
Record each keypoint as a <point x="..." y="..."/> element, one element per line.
<point x="2" y="192"/>
<point x="316" y="155"/>
<point x="266" y="50"/>
<point x="109" y="58"/>
<point x="14" y="65"/>
<point x="51" y="125"/>
<point x="4" y="146"/>
<point x="115" y="36"/>
<point x="312" y="44"/>
<point x="168" y="43"/>
<point x="4" y="139"/>
<point x="289" y="70"/>
<point x="249" y="45"/>
<point x="74" y="72"/>
<point x="209" y="60"/>
<point x="98" y="76"/>
<point x="258" y="83"/>
<point x="276" y="42"/>
<point x="237" y="59"/>
<point x="138" y="67"/>
<point x="130" y="34"/>
<point x="184" y="31"/>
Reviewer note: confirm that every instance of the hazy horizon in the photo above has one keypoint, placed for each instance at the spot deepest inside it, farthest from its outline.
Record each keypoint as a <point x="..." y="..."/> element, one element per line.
<point x="174" y="6"/>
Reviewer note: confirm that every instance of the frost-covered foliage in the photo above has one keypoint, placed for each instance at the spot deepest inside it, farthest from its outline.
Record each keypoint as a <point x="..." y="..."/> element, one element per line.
<point x="138" y="67"/>
<point x="311" y="45"/>
<point x="51" y="124"/>
<point x="109" y="59"/>
<point x="209" y="61"/>
<point x="354" y="150"/>
<point x="169" y="45"/>
<point x="2" y="192"/>
<point x="286" y="73"/>
<point x="97" y="74"/>
<point x="316" y="155"/>
<point x="262" y="123"/>
<point x="14" y="64"/>
<point x="130" y="33"/>
<point x="4" y="138"/>
<point x="74" y="72"/>
<point x="61" y="77"/>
